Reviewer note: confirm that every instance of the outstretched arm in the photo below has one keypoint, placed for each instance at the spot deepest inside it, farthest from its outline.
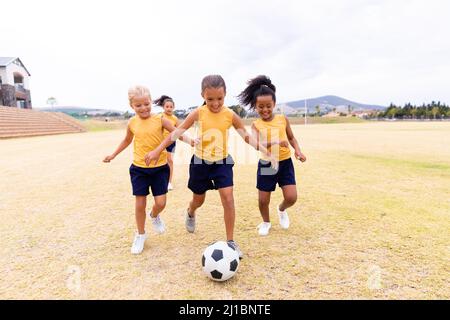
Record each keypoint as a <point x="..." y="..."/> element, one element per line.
<point x="294" y="143"/>
<point x="267" y="144"/>
<point x="170" y="127"/>
<point x="251" y="139"/>
<point x="173" y="136"/>
<point x="255" y="135"/>
<point x="122" y="146"/>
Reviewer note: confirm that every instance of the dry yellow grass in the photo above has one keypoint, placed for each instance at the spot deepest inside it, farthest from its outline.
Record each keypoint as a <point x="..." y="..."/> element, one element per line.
<point x="372" y="221"/>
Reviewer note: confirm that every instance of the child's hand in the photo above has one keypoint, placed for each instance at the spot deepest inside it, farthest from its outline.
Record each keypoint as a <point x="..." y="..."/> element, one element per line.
<point x="108" y="159"/>
<point x="284" y="143"/>
<point x="300" y="156"/>
<point x="152" y="156"/>
<point x="195" y="142"/>
<point x="273" y="162"/>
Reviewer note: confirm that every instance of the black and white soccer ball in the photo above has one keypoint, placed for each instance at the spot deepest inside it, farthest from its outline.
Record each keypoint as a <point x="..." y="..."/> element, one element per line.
<point x="220" y="261"/>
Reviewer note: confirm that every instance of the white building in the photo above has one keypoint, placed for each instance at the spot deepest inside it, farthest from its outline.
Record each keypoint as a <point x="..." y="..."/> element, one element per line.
<point x="14" y="83"/>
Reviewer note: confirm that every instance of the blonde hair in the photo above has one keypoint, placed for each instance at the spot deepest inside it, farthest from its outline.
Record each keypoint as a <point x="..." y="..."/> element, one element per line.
<point x="138" y="91"/>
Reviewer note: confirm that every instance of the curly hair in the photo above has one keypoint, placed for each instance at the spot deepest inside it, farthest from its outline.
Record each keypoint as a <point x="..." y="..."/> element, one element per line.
<point x="256" y="87"/>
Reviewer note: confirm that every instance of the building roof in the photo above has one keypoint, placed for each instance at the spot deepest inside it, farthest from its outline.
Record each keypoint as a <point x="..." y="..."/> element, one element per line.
<point x="5" y="61"/>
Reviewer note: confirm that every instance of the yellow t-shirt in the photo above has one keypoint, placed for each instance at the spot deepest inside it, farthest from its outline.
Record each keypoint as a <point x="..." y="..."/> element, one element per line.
<point x="173" y="119"/>
<point x="274" y="130"/>
<point x="148" y="135"/>
<point x="213" y="133"/>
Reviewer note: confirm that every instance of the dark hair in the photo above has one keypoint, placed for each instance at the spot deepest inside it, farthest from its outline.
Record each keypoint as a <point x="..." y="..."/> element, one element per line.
<point x="256" y="87"/>
<point x="213" y="81"/>
<point x="160" y="101"/>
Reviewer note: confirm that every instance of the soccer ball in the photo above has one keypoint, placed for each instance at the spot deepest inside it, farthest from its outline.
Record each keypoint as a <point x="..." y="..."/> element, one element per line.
<point x="220" y="261"/>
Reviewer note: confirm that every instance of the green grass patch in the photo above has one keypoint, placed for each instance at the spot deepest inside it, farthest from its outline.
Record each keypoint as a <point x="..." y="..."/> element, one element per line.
<point x="413" y="164"/>
<point x="316" y="120"/>
<point x="97" y="125"/>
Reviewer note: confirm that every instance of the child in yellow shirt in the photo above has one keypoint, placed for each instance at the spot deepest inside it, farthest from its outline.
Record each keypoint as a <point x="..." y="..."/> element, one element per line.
<point x="274" y="132"/>
<point x="168" y="106"/>
<point x="145" y="130"/>
<point x="211" y="166"/>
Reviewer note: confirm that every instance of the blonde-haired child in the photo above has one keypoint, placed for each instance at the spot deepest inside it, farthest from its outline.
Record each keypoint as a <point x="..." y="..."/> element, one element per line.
<point x="145" y="130"/>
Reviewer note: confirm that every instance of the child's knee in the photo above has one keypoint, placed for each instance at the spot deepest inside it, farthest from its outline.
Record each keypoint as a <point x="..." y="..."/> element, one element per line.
<point x="141" y="202"/>
<point x="263" y="203"/>
<point x="160" y="203"/>
<point x="228" y="201"/>
<point x="291" y="199"/>
<point x="200" y="202"/>
<point x="197" y="202"/>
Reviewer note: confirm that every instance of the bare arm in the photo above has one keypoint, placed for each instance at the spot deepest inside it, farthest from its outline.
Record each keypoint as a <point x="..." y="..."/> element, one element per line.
<point x="282" y="143"/>
<point x="122" y="146"/>
<point x="294" y="143"/>
<point x="267" y="144"/>
<point x="251" y="139"/>
<point x="170" y="127"/>
<point x="173" y="136"/>
<point x="255" y="134"/>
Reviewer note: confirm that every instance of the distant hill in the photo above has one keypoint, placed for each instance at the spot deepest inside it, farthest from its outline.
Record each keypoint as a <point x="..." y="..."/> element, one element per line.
<point x="79" y="110"/>
<point x="327" y="103"/>
<point x="91" y="111"/>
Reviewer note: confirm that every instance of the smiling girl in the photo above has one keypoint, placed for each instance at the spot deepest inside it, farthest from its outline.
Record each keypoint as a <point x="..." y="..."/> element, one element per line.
<point x="211" y="166"/>
<point x="146" y="129"/>
<point x="274" y="132"/>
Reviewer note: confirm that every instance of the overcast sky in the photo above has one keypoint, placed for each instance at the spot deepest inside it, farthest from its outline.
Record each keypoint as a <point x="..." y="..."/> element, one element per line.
<point x="88" y="53"/>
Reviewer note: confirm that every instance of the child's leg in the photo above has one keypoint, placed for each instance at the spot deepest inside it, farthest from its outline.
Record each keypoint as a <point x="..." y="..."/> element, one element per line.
<point x="289" y="195"/>
<point x="226" y="196"/>
<point x="197" y="201"/>
<point x="170" y="163"/>
<point x="141" y="203"/>
<point x="160" y="204"/>
<point x="264" y="201"/>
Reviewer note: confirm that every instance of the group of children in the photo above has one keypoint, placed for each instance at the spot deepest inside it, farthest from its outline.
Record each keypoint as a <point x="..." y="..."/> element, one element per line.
<point x="211" y="166"/>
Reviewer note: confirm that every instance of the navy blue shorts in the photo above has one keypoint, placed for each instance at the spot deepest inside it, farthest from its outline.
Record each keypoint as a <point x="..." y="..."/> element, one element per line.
<point x="171" y="148"/>
<point x="267" y="178"/>
<point x="144" y="178"/>
<point x="205" y="175"/>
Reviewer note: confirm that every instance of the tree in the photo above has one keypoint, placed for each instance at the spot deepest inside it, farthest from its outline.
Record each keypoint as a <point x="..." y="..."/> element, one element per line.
<point x="350" y="109"/>
<point x="51" y="101"/>
<point x="239" y="110"/>
<point x="413" y="112"/>
<point x="127" y="115"/>
<point x="180" y="113"/>
<point x="435" y="111"/>
<point x="392" y="112"/>
<point x="318" y="110"/>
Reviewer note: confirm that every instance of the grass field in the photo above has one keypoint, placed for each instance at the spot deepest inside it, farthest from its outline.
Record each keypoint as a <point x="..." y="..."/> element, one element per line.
<point x="372" y="221"/>
<point x="95" y="125"/>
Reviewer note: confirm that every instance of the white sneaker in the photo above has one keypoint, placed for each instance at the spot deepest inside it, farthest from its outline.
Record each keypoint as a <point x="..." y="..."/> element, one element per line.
<point x="284" y="218"/>
<point x="234" y="245"/>
<point x="158" y="224"/>
<point x="190" y="223"/>
<point x="169" y="186"/>
<point x="138" y="243"/>
<point x="263" y="228"/>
